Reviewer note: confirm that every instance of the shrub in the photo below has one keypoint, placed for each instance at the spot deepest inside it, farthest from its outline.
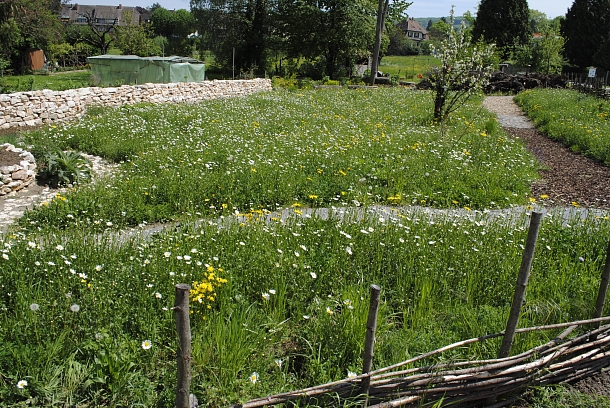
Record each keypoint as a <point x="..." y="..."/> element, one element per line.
<point x="64" y="168"/>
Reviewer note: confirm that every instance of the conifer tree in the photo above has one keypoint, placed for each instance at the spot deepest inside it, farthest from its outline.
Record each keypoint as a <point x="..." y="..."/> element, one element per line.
<point x="503" y="22"/>
<point x="585" y="28"/>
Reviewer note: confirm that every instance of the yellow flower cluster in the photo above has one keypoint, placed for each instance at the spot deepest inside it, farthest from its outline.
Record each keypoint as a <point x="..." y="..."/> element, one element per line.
<point x="203" y="293"/>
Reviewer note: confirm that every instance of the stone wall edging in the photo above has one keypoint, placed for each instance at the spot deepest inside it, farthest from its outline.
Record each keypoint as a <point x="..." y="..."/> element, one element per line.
<point x="47" y="107"/>
<point x="17" y="176"/>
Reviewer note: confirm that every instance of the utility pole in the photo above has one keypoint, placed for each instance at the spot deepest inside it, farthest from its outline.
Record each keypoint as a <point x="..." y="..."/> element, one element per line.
<point x="381" y="13"/>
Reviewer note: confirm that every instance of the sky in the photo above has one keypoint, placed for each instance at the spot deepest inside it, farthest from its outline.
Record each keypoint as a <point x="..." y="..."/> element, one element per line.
<point x="419" y="8"/>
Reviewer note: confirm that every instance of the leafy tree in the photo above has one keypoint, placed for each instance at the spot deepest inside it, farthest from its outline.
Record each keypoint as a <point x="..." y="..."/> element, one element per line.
<point x="175" y="26"/>
<point x="98" y="36"/>
<point x="333" y="34"/>
<point x="544" y="53"/>
<point x="547" y="52"/>
<point x="400" y="44"/>
<point x="585" y="28"/>
<point x="538" y="20"/>
<point x="27" y="24"/>
<point x="236" y="27"/>
<point x="438" y="31"/>
<point x="503" y="22"/>
<point x="11" y="39"/>
<point x="135" y="39"/>
<point x="463" y="72"/>
<point x="60" y="52"/>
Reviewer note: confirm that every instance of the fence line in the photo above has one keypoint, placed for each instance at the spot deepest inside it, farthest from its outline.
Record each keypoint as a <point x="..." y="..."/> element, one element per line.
<point x="464" y="384"/>
<point x="597" y="86"/>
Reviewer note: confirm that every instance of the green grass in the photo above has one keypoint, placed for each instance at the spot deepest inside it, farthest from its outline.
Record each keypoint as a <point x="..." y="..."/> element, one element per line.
<point x="566" y="397"/>
<point x="408" y="67"/>
<point x="329" y="148"/>
<point x="294" y="305"/>
<point x="55" y="82"/>
<point x="579" y="121"/>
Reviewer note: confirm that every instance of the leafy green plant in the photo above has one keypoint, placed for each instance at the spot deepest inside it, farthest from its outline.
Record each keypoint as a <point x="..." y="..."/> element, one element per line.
<point x="64" y="168"/>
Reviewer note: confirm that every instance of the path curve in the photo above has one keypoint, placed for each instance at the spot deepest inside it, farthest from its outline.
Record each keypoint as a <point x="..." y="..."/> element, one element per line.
<point x="567" y="178"/>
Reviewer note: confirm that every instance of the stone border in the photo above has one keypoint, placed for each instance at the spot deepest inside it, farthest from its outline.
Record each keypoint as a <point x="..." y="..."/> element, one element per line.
<point x="47" y="107"/>
<point x="16" y="177"/>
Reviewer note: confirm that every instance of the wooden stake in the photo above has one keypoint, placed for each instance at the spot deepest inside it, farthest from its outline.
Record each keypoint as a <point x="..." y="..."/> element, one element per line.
<point x="524" y="275"/>
<point x="369" y="342"/>
<point x="603" y="291"/>
<point x="183" y="327"/>
<point x="522" y="279"/>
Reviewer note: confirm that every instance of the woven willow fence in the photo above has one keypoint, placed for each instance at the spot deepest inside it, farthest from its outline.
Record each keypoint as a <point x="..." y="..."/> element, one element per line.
<point x="471" y="383"/>
<point x="490" y="383"/>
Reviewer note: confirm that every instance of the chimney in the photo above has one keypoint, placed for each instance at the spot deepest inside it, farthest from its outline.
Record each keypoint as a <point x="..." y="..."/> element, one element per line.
<point x="120" y="7"/>
<point x="75" y="7"/>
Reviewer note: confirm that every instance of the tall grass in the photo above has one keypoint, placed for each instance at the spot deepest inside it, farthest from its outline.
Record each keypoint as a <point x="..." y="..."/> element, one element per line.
<point x="55" y="82"/>
<point x="579" y="121"/>
<point x="316" y="148"/>
<point x="411" y="67"/>
<point x="294" y="307"/>
<point x="85" y="314"/>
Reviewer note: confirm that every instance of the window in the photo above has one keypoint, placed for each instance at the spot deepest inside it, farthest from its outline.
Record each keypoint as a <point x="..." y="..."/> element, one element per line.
<point x="416" y="35"/>
<point x="410" y="34"/>
<point x="81" y="20"/>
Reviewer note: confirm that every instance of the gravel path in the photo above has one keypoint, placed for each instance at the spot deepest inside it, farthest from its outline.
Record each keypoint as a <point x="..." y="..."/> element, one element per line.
<point x="509" y="114"/>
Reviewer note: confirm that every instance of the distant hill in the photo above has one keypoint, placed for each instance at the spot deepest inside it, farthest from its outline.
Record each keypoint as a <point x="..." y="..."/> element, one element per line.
<point x="425" y="20"/>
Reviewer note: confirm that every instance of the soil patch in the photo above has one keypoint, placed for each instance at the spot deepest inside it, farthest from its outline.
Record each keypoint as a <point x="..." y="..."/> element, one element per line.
<point x="8" y="158"/>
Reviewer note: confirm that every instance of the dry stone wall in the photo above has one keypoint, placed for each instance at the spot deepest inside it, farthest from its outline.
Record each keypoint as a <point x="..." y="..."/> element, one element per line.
<point x="46" y="107"/>
<point x="18" y="176"/>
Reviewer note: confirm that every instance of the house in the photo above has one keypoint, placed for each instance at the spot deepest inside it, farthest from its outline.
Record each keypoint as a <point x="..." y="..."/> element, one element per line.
<point x="103" y="15"/>
<point x="413" y="30"/>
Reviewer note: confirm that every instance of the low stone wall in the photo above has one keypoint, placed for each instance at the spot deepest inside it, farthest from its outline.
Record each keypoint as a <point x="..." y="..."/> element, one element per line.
<point x="46" y="107"/>
<point x="18" y="176"/>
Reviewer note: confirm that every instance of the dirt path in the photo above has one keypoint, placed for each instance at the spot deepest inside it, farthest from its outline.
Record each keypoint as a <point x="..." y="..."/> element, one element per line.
<point x="567" y="177"/>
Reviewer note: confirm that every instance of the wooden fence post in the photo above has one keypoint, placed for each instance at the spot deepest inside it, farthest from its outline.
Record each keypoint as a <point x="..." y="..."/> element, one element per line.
<point x="369" y="342"/>
<point x="603" y="291"/>
<point x="522" y="279"/>
<point x="524" y="275"/>
<point x="183" y="327"/>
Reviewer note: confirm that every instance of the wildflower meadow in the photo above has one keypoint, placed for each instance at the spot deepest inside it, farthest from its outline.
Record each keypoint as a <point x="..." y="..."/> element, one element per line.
<point x="282" y="209"/>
